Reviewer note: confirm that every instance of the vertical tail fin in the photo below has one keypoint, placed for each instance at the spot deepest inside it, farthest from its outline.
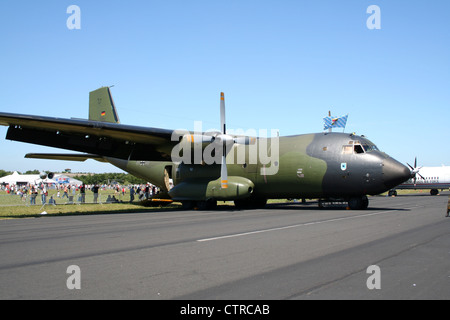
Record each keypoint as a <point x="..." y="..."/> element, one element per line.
<point x="101" y="106"/>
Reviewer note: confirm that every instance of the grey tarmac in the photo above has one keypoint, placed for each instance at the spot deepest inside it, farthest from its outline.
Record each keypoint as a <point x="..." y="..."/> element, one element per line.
<point x="282" y="252"/>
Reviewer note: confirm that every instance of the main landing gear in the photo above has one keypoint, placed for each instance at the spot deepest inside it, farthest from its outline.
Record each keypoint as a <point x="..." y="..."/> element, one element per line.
<point x="211" y="204"/>
<point x="353" y="203"/>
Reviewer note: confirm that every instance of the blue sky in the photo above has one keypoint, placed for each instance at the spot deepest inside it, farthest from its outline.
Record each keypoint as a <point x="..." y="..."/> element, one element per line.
<point x="282" y="65"/>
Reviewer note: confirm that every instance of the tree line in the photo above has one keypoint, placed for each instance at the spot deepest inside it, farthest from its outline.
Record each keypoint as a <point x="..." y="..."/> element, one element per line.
<point x="109" y="178"/>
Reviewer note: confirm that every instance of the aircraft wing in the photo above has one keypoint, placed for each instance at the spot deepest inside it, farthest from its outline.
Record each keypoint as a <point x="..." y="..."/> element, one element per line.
<point x="92" y="137"/>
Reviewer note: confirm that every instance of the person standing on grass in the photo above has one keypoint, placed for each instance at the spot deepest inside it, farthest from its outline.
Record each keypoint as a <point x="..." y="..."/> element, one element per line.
<point x="83" y="193"/>
<point x="43" y="195"/>
<point x="33" y="194"/>
<point x="95" y="191"/>
<point x="448" y="206"/>
<point x="132" y="194"/>
<point x="66" y="192"/>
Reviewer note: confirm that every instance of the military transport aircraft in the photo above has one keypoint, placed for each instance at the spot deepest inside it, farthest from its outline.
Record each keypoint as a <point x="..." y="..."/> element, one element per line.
<point x="325" y="166"/>
<point x="433" y="178"/>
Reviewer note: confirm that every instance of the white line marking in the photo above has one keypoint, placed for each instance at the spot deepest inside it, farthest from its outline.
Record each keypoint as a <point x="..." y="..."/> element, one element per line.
<point x="294" y="226"/>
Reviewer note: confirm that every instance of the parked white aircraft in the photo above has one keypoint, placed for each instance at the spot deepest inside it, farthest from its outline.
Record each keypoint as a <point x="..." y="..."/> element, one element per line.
<point x="433" y="178"/>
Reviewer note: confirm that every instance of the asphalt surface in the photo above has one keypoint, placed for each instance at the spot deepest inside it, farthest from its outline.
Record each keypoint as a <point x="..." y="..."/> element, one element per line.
<point x="289" y="251"/>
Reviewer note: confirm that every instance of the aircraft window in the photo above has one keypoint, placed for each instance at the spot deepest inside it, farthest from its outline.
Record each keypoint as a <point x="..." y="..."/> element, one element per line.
<point x="369" y="148"/>
<point x="359" y="148"/>
<point x="347" y="149"/>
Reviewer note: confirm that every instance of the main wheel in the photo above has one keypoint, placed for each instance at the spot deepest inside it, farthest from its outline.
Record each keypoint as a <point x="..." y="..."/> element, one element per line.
<point x="188" y="205"/>
<point x="209" y="204"/>
<point x="250" y="203"/>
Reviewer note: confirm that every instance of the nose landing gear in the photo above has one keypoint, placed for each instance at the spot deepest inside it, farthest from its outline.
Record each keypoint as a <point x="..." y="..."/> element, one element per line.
<point x="358" y="203"/>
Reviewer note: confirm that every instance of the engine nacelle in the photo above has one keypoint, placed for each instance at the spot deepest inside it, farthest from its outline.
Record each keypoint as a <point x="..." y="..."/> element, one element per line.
<point x="44" y="175"/>
<point x="200" y="190"/>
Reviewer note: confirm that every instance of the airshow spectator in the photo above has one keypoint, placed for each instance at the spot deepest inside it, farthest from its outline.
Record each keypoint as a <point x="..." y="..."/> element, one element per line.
<point x="83" y="193"/>
<point x="94" y="189"/>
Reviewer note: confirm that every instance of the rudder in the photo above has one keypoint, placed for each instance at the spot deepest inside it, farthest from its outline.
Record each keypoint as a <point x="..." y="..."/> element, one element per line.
<point x="101" y="106"/>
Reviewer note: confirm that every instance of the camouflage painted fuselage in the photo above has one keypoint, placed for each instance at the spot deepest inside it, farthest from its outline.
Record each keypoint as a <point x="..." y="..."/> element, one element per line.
<point x="322" y="165"/>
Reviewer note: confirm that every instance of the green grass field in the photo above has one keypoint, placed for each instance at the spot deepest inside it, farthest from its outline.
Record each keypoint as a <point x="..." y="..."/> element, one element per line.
<point x="13" y="206"/>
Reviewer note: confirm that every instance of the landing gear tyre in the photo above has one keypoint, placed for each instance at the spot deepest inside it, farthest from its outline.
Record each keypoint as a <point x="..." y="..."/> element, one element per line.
<point x="365" y="203"/>
<point x="188" y="205"/>
<point x="392" y="193"/>
<point x="209" y="204"/>
<point x="250" y="203"/>
<point x="358" y="203"/>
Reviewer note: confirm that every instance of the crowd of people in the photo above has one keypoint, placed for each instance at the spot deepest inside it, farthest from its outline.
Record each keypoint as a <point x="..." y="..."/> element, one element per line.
<point x="77" y="193"/>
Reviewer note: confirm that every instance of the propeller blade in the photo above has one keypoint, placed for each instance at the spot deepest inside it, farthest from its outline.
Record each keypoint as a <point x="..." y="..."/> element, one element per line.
<point x="226" y="141"/>
<point x="222" y="114"/>
<point x="223" y="139"/>
<point x="414" y="170"/>
<point x="224" y="171"/>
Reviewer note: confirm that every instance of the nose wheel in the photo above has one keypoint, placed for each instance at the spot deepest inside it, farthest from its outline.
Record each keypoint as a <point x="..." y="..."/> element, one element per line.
<point x="358" y="203"/>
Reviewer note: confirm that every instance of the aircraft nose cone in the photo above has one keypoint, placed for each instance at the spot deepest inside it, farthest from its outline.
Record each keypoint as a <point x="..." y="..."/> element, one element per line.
<point x="394" y="173"/>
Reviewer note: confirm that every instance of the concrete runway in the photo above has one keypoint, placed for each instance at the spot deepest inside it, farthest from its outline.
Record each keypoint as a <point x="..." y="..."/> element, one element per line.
<point x="289" y="251"/>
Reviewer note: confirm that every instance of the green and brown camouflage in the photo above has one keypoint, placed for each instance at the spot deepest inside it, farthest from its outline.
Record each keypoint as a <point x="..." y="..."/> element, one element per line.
<point x="325" y="166"/>
<point x="322" y="166"/>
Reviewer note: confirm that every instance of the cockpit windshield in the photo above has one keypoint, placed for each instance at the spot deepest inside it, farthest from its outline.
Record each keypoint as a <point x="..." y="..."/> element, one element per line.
<point x="370" y="147"/>
<point x="356" y="146"/>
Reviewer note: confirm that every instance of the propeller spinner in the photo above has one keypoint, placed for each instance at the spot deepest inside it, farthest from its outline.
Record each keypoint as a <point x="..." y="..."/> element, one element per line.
<point x="415" y="171"/>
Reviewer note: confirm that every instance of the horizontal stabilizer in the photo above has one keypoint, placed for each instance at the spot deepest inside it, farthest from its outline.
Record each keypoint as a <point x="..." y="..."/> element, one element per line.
<point x="65" y="156"/>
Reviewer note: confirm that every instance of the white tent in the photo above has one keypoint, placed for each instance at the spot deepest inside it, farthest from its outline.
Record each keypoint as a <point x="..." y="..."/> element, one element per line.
<point x="35" y="179"/>
<point x="17" y="178"/>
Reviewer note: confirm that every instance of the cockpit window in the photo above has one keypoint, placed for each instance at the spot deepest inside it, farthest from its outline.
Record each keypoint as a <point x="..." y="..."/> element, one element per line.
<point x="369" y="147"/>
<point x="357" y="147"/>
<point x="347" y="149"/>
